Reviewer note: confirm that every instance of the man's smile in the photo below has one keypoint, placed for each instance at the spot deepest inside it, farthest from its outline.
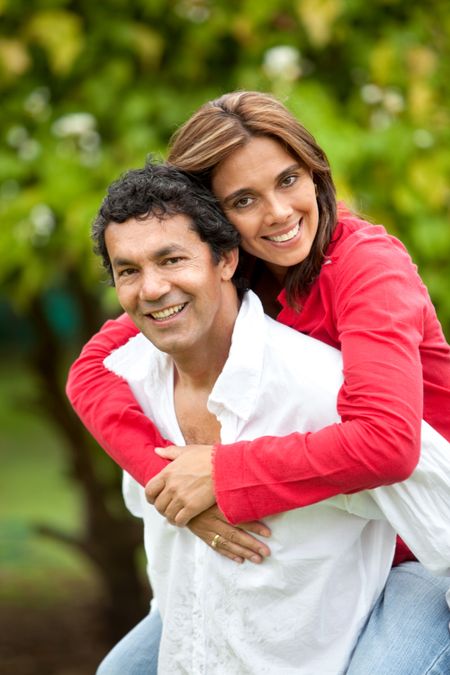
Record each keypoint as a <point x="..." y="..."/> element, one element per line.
<point x="167" y="312"/>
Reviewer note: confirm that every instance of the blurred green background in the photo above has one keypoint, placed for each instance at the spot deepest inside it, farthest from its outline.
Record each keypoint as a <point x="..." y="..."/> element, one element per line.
<point x="87" y="91"/>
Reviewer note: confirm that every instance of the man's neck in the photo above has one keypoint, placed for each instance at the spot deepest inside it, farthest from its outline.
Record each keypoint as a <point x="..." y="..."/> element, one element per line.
<point x="195" y="374"/>
<point x="202" y="372"/>
<point x="200" y="366"/>
<point x="193" y="383"/>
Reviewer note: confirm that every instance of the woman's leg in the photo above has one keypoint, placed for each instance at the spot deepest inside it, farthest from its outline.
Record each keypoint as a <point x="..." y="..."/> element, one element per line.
<point x="137" y="652"/>
<point x="408" y="630"/>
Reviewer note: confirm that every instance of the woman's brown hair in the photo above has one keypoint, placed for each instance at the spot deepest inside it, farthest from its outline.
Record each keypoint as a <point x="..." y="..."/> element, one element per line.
<point x="227" y="123"/>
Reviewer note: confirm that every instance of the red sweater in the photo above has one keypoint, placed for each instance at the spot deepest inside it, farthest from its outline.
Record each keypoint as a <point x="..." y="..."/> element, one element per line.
<point x="369" y="302"/>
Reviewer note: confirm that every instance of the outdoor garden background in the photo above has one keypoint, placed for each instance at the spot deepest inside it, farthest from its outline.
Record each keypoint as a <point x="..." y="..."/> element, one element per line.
<point x="87" y="90"/>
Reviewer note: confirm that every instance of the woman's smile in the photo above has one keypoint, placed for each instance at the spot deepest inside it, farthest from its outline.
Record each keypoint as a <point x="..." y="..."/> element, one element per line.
<point x="284" y="237"/>
<point x="270" y="198"/>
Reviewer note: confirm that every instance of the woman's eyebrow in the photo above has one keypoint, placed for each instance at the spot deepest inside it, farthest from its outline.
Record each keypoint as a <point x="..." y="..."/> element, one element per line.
<point x="242" y="192"/>
<point x="236" y="194"/>
<point x="289" y="169"/>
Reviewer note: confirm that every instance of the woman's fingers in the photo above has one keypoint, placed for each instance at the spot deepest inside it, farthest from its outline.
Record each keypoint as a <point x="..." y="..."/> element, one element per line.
<point x="228" y="540"/>
<point x="257" y="527"/>
<point x="171" y="451"/>
<point x="243" y="543"/>
<point x="241" y="547"/>
<point x="185" y="484"/>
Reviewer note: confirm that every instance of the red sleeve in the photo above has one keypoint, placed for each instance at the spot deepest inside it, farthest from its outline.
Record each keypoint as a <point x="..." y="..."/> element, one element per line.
<point x="378" y="310"/>
<point x="108" y="409"/>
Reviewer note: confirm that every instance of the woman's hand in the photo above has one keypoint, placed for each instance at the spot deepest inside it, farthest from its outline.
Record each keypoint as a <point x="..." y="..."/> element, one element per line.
<point x="231" y="542"/>
<point x="184" y="488"/>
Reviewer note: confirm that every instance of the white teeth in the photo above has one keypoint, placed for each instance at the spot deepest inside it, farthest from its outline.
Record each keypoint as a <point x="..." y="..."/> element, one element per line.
<point x="165" y="313"/>
<point x="285" y="237"/>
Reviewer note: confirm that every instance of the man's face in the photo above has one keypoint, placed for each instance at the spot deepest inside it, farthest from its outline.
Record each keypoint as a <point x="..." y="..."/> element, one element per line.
<point x="168" y="283"/>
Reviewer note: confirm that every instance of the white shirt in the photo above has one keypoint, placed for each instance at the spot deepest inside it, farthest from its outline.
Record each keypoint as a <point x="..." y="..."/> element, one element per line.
<point x="302" y="609"/>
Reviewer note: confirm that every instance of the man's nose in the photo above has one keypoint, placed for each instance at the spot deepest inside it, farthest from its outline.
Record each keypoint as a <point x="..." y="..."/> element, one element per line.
<point x="154" y="285"/>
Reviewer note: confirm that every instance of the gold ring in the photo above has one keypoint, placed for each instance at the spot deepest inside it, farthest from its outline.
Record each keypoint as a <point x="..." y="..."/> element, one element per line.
<point x="215" y="541"/>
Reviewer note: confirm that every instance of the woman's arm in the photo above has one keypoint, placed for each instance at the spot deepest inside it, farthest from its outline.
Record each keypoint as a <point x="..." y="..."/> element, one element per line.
<point x="108" y="409"/>
<point x="377" y="442"/>
<point x="376" y="307"/>
<point x="376" y="311"/>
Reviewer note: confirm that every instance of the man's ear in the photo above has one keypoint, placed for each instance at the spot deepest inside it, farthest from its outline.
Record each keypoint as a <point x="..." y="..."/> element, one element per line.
<point x="229" y="263"/>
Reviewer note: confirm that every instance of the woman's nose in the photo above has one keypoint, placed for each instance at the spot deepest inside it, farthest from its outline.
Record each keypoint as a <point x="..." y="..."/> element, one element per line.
<point x="277" y="210"/>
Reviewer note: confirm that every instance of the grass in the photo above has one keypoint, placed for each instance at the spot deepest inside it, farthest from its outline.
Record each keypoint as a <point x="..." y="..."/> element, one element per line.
<point x="35" y="489"/>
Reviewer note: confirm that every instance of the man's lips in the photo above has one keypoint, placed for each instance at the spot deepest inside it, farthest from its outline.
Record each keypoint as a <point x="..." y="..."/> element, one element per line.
<point x="285" y="236"/>
<point x="167" y="312"/>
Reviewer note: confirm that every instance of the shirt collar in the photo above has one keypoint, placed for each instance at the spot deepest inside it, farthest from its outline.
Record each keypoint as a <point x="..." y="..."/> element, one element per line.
<point x="237" y="387"/>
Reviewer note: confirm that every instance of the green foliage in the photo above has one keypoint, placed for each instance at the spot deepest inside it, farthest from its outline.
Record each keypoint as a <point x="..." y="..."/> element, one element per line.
<point x="89" y="89"/>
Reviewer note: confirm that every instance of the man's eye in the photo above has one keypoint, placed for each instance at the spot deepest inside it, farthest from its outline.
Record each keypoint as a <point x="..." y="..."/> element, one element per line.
<point x="126" y="272"/>
<point x="172" y="261"/>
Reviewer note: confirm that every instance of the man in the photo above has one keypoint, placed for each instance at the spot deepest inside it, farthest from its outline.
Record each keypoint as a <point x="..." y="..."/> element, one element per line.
<point x="209" y="365"/>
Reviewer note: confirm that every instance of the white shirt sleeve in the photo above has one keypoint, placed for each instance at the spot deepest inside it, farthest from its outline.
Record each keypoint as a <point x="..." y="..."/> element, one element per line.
<point x="418" y="508"/>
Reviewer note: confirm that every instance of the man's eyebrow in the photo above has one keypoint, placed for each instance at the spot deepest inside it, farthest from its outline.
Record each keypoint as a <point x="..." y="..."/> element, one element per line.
<point x="170" y="249"/>
<point x="121" y="262"/>
<point x="162" y="252"/>
<point x="242" y="192"/>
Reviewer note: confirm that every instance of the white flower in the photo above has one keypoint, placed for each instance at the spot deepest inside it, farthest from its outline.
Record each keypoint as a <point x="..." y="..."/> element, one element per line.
<point x="42" y="219"/>
<point x="380" y="120"/>
<point x="193" y="10"/>
<point x="74" y="124"/>
<point x="282" y="62"/>
<point x="423" y="138"/>
<point x="37" y="102"/>
<point x="393" y="101"/>
<point x="371" y="94"/>
<point x="29" y="150"/>
<point x="16" y="136"/>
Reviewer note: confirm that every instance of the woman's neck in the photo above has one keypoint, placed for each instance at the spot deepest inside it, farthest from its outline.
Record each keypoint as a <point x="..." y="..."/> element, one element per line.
<point x="278" y="272"/>
<point x="267" y="287"/>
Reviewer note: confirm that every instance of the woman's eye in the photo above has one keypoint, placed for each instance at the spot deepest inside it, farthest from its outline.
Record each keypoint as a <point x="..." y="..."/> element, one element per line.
<point x="243" y="202"/>
<point x="287" y="181"/>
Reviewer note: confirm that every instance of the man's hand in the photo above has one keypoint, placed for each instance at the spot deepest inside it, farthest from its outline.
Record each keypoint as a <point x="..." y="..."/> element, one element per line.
<point x="231" y="542"/>
<point x="184" y="488"/>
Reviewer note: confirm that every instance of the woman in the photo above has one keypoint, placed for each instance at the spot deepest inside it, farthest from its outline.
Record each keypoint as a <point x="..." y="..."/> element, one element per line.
<point x="340" y="280"/>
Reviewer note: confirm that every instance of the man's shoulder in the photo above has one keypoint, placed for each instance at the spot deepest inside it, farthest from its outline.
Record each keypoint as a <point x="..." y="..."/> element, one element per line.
<point x="134" y="359"/>
<point x="283" y="346"/>
<point x="284" y="336"/>
<point x="297" y="358"/>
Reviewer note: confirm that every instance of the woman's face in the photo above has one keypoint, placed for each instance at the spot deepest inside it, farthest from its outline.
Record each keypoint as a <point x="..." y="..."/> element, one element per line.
<point x="270" y="198"/>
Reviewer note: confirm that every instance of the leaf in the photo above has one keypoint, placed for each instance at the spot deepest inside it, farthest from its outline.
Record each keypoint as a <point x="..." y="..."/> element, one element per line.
<point x="59" y="33"/>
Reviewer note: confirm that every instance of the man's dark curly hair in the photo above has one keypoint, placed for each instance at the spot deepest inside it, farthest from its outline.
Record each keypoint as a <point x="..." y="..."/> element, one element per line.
<point x="161" y="190"/>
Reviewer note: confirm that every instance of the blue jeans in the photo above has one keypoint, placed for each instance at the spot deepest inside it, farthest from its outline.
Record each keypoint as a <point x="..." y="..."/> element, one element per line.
<point x="137" y="652"/>
<point x="407" y="632"/>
